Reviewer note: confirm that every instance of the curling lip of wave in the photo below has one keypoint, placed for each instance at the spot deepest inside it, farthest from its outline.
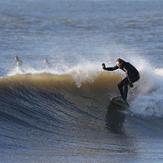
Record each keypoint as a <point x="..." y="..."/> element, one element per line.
<point x="102" y="80"/>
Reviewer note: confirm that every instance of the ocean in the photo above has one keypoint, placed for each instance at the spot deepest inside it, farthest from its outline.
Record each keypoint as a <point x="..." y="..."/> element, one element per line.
<point x="54" y="106"/>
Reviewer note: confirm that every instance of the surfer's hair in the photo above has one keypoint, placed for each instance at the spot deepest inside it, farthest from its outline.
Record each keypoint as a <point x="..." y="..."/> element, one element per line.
<point x="120" y="60"/>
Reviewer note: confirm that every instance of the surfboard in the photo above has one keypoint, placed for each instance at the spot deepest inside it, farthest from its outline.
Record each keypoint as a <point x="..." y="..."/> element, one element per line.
<point x="117" y="103"/>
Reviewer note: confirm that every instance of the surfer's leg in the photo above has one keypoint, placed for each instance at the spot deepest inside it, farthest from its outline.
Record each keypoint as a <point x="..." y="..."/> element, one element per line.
<point x="120" y="87"/>
<point x="123" y="88"/>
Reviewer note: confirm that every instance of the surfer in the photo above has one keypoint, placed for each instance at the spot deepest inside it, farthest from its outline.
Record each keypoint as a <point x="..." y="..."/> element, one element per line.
<point x="46" y="63"/>
<point x="18" y="65"/>
<point x="132" y="75"/>
<point x="18" y="61"/>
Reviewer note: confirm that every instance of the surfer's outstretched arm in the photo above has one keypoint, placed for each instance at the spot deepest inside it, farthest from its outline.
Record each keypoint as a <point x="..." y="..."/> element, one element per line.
<point x="109" y="68"/>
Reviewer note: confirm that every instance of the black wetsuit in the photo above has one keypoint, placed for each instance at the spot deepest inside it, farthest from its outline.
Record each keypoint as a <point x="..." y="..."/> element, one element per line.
<point x="132" y="75"/>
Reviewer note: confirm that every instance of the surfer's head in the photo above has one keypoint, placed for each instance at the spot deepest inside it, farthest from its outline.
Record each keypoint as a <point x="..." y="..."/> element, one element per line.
<point x="120" y="62"/>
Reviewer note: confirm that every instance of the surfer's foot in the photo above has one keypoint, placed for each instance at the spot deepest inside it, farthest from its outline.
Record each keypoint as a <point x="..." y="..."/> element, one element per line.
<point x="125" y="101"/>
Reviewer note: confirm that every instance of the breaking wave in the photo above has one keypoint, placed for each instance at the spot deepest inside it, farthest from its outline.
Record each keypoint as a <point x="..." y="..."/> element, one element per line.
<point x="84" y="89"/>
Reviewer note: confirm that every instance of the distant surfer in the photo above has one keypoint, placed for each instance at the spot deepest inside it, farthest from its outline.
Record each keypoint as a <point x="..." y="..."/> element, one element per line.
<point x="132" y="75"/>
<point x="19" y="64"/>
<point x="18" y="61"/>
<point x="46" y="63"/>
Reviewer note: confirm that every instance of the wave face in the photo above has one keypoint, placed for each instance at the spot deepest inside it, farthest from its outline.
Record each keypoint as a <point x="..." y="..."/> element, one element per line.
<point x="57" y="98"/>
<point x="54" y="109"/>
<point x="42" y="112"/>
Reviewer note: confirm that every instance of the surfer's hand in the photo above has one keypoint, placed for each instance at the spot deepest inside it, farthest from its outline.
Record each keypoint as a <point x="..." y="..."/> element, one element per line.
<point x="103" y="66"/>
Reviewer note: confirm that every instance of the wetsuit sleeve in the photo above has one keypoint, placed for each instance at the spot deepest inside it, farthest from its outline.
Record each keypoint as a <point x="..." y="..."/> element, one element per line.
<point x="111" y="68"/>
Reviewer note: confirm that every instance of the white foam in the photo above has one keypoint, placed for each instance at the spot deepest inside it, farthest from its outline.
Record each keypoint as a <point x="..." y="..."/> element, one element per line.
<point x="159" y="71"/>
<point x="149" y="101"/>
<point x="81" y="73"/>
<point x="84" y="73"/>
